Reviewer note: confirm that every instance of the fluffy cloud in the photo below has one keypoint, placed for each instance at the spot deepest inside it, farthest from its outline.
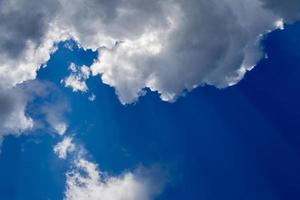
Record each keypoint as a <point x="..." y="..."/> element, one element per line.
<point x="27" y="38"/>
<point x="76" y="80"/>
<point x="174" y="45"/>
<point x="64" y="147"/>
<point x="167" y="46"/>
<point x="86" y="181"/>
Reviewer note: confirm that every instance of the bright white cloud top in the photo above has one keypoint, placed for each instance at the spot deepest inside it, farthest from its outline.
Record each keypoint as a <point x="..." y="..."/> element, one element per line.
<point x="167" y="46"/>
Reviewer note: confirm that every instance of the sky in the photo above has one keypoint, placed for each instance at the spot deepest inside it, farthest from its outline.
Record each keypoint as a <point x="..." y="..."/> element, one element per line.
<point x="139" y="100"/>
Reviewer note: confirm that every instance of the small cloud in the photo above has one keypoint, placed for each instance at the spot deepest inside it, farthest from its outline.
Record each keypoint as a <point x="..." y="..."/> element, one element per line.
<point x="76" y="83"/>
<point x="279" y="24"/>
<point x="76" y="80"/>
<point x="92" y="97"/>
<point x="55" y="113"/>
<point x="85" y="72"/>
<point x="73" y="67"/>
<point x="64" y="147"/>
<point x="60" y="128"/>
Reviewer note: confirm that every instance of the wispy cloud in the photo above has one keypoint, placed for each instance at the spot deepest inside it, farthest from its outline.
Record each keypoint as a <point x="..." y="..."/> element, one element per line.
<point x="85" y="180"/>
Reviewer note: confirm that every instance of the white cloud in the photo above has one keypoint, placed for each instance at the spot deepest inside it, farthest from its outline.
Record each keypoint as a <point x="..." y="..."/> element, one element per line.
<point x="168" y="46"/>
<point x="180" y="46"/>
<point x="76" y="83"/>
<point x="73" y="67"/>
<point x="92" y="97"/>
<point x="64" y="147"/>
<point x="279" y="24"/>
<point x="86" y="181"/>
<point x="76" y="80"/>
<point x="59" y="127"/>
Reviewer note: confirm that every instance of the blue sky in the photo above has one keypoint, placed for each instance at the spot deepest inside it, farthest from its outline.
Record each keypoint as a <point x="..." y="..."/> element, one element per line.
<point x="149" y="100"/>
<point x="241" y="142"/>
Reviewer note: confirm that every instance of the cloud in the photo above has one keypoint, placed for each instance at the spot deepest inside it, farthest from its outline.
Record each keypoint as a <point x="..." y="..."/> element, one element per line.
<point x="76" y="80"/>
<point x="175" y="45"/>
<point x="289" y="9"/>
<point x="92" y="97"/>
<point x="86" y="181"/>
<point x="27" y="38"/>
<point x="64" y="147"/>
<point x="54" y="112"/>
<point x="13" y="105"/>
<point x="167" y="46"/>
<point x="23" y="107"/>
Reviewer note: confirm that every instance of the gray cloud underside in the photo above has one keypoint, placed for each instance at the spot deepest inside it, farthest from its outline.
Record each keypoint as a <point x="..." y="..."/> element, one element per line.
<point x="168" y="46"/>
<point x="17" y="102"/>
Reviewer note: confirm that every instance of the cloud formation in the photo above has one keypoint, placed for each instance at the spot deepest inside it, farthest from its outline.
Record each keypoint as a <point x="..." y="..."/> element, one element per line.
<point x="85" y="181"/>
<point x="167" y="46"/>
<point x="13" y="119"/>
<point x="14" y="105"/>
<point x="172" y="46"/>
<point x="289" y="10"/>
<point x="20" y="113"/>
<point x="64" y="147"/>
<point x="76" y="80"/>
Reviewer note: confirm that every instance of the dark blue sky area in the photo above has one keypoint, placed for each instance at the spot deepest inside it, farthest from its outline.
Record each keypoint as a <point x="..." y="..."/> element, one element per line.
<point x="240" y="143"/>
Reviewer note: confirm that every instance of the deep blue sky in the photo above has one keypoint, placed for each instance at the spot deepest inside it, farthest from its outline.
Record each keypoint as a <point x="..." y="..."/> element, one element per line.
<point x="238" y="143"/>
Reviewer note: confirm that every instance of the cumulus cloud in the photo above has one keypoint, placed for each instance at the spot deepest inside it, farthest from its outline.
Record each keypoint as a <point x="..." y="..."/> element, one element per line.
<point x="76" y="80"/>
<point x="64" y="147"/>
<point x="167" y="46"/>
<point x="172" y="46"/>
<point x="86" y="181"/>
